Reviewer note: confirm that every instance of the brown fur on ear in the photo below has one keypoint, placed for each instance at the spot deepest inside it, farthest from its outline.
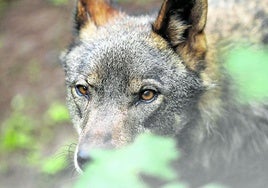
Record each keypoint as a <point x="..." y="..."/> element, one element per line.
<point x="182" y="23"/>
<point x="96" y="12"/>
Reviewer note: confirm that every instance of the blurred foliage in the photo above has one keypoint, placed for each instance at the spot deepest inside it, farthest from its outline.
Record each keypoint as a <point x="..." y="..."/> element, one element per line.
<point x="21" y="134"/>
<point x="118" y="168"/>
<point x="57" y="113"/>
<point x="54" y="164"/>
<point x="149" y="155"/>
<point x="3" y="4"/>
<point x="58" y="2"/>
<point x="17" y="129"/>
<point x="248" y="67"/>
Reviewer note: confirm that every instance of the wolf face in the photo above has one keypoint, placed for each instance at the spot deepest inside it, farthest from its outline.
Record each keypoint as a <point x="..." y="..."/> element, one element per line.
<point x="128" y="75"/>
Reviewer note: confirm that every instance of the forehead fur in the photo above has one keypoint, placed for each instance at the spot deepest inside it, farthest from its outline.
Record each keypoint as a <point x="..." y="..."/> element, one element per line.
<point x="119" y="44"/>
<point x="122" y="26"/>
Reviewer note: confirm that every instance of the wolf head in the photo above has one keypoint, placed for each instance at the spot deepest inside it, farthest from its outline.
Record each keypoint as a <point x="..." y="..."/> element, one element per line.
<point x="128" y="75"/>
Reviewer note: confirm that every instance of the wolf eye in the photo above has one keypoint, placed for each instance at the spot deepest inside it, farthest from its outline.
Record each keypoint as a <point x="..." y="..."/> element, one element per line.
<point x="148" y="95"/>
<point x="82" y="90"/>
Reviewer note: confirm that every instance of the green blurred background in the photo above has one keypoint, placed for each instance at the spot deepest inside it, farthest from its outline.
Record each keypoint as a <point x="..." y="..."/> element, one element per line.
<point x="36" y="136"/>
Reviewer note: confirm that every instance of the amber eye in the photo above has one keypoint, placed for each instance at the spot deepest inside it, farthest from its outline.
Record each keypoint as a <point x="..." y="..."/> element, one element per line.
<point x="147" y="95"/>
<point x="82" y="90"/>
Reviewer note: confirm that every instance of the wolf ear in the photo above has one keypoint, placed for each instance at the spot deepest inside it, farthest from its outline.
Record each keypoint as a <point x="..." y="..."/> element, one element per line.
<point x="93" y="13"/>
<point x="182" y="23"/>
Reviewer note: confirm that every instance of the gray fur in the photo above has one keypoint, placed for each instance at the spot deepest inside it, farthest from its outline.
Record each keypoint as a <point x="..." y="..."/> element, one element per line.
<point x="226" y="143"/>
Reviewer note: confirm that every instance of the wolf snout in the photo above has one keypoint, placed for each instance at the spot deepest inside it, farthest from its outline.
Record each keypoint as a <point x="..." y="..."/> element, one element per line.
<point x="96" y="140"/>
<point x="83" y="158"/>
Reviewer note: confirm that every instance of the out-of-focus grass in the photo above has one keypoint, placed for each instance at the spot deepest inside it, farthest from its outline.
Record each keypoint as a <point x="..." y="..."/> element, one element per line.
<point x="21" y="135"/>
<point x="55" y="163"/>
<point x="3" y="4"/>
<point x="57" y="113"/>
<point x="17" y="129"/>
<point x="58" y="2"/>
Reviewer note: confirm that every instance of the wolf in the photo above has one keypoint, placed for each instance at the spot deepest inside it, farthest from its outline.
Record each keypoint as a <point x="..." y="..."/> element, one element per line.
<point x="127" y="75"/>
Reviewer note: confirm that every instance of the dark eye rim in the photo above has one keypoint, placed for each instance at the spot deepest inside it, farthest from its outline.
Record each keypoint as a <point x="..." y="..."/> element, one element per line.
<point x="79" y="93"/>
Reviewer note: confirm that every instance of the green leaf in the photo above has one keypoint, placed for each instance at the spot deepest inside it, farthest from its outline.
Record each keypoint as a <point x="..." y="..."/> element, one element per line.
<point x="149" y="155"/>
<point x="249" y="66"/>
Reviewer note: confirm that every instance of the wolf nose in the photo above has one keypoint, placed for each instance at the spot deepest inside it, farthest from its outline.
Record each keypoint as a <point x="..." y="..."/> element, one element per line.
<point x="83" y="158"/>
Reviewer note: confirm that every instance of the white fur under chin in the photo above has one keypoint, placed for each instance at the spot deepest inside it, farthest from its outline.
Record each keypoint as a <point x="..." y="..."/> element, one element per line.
<point x="78" y="169"/>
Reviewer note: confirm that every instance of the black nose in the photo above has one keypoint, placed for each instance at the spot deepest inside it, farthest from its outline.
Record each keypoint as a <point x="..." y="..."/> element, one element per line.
<point x="83" y="158"/>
